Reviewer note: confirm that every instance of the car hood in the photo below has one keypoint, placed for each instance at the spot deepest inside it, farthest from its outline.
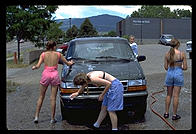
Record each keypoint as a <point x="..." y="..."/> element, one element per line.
<point x="121" y="70"/>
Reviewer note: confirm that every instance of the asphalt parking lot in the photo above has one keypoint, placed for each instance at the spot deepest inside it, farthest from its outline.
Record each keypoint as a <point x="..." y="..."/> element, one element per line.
<point x="20" y="105"/>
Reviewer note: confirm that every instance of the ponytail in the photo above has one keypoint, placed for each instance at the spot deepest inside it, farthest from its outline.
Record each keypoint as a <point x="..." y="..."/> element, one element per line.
<point x="174" y="44"/>
<point x="171" y="57"/>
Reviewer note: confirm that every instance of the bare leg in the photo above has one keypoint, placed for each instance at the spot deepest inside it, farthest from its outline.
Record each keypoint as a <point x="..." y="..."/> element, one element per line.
<point x="102" y="114"/>
<point x="53" y="100"/>
<point x="176" y="93"/>
<point x="168" y="98"/>
<point x="40" y="100"/>
<point x="114" y="119"/>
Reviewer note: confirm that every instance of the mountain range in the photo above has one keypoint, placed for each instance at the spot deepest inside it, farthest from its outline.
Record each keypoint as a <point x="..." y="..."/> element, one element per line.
<point x="102" y="23"/>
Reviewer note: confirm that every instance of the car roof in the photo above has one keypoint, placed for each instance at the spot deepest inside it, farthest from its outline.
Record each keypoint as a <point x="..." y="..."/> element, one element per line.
<point x="167" y="35"/>
<point x="98" y="38"/>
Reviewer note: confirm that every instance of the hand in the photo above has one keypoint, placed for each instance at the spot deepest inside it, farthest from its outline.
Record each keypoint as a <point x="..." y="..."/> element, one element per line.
<point x="71" y="62"/>
<point x="73" y="95"/>
<point x="101" y="96"/>
<point x="33" y="67"/>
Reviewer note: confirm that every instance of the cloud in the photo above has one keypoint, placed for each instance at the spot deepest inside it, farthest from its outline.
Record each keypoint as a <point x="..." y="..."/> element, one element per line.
<point x="86" y="11"/>
<point x="78" y="11"/>
<point x="69" y="12"/>
<point x="126" y="10"/>
<point x="174" y="7"/>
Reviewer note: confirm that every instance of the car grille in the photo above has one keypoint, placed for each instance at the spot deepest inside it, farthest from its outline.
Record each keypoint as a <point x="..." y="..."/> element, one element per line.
<point x="92" y="89"/>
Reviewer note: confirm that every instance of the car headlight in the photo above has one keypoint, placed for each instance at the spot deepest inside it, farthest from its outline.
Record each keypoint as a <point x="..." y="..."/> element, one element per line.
<point x="136" y="82"/>
<point x="136" y="85"/>
<point x="68" y="87"/>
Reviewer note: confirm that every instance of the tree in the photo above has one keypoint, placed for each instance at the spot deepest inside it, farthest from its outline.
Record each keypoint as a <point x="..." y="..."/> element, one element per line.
<point x="28" y="22"/>
<point x="111" y="34"/>
<point x="182" y="13"/>
<point x="160" y="12"/>
<point x="54" y="32"/>
<point x="87" y="29"/>
<point x="71" y="33"/>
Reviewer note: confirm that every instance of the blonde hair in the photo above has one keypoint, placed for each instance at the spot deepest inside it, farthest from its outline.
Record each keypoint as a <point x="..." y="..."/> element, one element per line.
<point x="174" y="44"/>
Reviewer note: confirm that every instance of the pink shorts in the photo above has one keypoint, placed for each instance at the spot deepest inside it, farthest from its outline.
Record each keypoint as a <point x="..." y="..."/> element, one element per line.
<point x="50" y="76"/>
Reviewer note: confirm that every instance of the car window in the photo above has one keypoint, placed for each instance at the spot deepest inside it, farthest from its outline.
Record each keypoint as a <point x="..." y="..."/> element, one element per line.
<point x="169" y="37"/>
<point x="96" y="50"/>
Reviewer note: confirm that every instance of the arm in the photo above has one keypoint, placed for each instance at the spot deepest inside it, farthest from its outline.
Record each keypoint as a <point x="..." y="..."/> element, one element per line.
<point x="184" y="64"/>
<point x="165" y="62"/>
<point x="101" y="96"/>
<point x="103" y="82"/>
<point x="73" y="95"/>
<point x="39" y="63"/>
<point x="69" y="63"/>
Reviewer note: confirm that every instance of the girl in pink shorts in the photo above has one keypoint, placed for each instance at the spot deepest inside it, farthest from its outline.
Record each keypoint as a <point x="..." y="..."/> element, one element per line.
<point x="50" y="76"/>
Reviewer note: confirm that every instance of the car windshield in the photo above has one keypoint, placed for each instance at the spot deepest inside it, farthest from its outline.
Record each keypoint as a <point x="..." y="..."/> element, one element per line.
<point x="169" y="37"/>
<point x="103" y="50"/>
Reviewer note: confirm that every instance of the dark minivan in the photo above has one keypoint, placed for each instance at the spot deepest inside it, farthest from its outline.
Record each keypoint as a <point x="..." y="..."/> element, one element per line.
<point x="109" y="54"/>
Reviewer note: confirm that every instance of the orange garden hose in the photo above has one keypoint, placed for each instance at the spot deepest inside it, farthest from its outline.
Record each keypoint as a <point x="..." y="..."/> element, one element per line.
<point x="157" y="112"/>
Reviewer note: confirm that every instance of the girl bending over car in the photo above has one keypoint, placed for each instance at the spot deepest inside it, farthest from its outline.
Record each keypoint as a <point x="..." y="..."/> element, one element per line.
<point x="112" y="95"/>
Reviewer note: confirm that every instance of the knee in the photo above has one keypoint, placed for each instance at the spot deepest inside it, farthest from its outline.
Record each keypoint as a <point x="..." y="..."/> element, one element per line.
<point x="52" y="98"/>
<point x="175" y="97"/>
<point x="41" y="97"/>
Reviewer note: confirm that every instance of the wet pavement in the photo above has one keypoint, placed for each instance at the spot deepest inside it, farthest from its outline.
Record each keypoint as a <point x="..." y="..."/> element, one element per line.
<point x="20" y="105"/>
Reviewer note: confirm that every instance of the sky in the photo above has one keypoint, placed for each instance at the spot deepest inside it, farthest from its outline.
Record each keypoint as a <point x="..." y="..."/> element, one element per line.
<point x="77" y="11"/>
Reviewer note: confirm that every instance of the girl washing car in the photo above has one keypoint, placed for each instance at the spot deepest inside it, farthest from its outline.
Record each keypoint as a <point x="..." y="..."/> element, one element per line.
<point x="49" y="76"/>
<point x="112" y="95"/>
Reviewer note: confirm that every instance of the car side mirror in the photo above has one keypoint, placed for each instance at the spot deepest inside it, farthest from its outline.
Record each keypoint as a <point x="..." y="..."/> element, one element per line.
<point x="141" y="58"/>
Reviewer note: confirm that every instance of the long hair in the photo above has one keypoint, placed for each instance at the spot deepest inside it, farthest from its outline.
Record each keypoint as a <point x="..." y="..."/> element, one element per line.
<point x="80" y="79"/>
<point x="174" y="44"/>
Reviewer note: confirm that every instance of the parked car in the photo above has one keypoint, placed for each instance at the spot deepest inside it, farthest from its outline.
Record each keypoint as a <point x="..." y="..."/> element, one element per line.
<point x="189" y="48"/>
<point x="165" y="39"/>
<point x="62" y="48"/>
<point x="109" y="54"/>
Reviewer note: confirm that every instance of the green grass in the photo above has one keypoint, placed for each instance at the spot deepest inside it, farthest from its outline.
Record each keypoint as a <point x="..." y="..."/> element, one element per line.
<point x="12" y="64"/>
<point x="11" y="86"/>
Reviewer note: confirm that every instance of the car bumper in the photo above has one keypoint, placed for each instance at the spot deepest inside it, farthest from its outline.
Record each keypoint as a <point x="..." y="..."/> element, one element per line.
<point x="91" y="101"/>
<point x="188" y="50"/>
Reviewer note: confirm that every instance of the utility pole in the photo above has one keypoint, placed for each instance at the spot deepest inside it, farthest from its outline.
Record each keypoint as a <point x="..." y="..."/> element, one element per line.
<point x="141" y="28"/>
<point x="141" y="32"/>
<point x="69" y="22"/>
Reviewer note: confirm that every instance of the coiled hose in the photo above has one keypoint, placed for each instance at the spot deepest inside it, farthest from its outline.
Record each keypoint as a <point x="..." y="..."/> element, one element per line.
<point x="172" y="127"/>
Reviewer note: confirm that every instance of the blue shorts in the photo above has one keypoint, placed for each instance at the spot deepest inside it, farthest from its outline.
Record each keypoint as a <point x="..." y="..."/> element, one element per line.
<point x="174" y="77"/>
<point x="113" y="98"/>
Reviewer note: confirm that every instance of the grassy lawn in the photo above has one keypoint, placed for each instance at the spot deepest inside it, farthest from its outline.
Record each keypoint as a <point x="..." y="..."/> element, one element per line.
<point x="12" y="64"/>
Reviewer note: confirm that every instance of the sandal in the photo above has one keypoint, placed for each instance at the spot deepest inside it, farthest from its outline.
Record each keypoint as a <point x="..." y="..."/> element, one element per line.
<point x="166" y="115"/>
<point x="176" y="117"/>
